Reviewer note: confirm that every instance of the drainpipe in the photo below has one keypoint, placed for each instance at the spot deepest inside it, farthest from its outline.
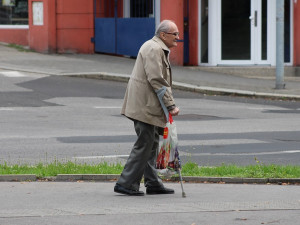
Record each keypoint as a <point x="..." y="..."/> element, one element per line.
<point x="280" y="44"/>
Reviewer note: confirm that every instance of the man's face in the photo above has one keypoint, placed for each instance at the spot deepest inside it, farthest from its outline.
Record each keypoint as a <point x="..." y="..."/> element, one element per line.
<point x="171" y="37"/>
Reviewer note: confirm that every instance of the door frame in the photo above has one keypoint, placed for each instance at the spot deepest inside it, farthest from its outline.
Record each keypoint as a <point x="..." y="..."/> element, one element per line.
<point x="255" y="36"/>
<point x="214" y="34"/>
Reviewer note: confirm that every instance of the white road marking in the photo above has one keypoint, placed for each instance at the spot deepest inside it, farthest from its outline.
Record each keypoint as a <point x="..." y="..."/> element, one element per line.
<point x="6" y="109"/>
<point x="107" y="107"/>
<point x="12" y="74"/>
<point x="100" y="157"/>
<point x="182" y="153"/>
<point x="238" y="154"/>
<point x="220" y="142"/>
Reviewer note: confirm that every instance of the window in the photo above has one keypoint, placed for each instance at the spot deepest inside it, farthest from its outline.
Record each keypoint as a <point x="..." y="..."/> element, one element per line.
<point x="140" y="8"/>
<point x="204" y="31"/>
<point x="287" y="31"/>
<point x="13" y="12"/>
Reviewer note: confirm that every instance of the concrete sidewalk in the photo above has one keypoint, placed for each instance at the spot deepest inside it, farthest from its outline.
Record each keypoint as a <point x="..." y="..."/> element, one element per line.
<point x="96" y="203"/>
<point x="119" y="68"/>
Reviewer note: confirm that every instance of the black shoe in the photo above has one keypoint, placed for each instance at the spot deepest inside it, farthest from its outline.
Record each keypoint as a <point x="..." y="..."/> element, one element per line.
<point x="159" y="190"/>
<point x="122" y="190"/>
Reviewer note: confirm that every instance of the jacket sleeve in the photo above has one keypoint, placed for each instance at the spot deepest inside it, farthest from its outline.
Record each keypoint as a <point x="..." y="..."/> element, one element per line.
<point x="153" y="60"/>
<point x="160" y="94"/>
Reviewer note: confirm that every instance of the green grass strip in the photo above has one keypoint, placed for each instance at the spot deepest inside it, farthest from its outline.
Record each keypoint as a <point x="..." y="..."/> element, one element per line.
<point x="251" y="171"/>
<point x="189" y="169"/>
<point x="52" y="169"/>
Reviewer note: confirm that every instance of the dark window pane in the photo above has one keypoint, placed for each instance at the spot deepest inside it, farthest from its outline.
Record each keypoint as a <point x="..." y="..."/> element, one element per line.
<point x="204" y="31"/>
<point x="287" y="31"/>
<point x="141" y="8"/>
<point x="264" y="29"/>
<point x="14" y="12"/>
<point x="236" y="30"/>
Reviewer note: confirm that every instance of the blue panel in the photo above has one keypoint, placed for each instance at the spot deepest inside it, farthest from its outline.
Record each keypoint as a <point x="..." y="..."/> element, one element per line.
<point x="186" y="51"/>
<point x="132" y="33"/>
<point x="105" y="35"/>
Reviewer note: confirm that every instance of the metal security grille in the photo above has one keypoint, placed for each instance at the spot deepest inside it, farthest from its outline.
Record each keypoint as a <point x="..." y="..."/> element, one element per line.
<point x="141" y="8"/>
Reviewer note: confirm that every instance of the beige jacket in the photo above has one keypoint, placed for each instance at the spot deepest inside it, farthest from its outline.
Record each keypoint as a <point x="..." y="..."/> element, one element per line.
<point x="151" y="74"/>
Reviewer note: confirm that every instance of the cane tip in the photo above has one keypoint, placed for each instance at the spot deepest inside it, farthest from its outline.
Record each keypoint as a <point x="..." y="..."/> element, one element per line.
<point x="183" y="194"/>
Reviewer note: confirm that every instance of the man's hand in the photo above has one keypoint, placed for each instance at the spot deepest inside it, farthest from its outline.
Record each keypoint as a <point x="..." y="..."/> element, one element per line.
<point x="175" y="111"/>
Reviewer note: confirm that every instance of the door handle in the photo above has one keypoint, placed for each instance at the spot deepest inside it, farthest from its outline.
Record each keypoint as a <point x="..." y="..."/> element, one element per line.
<point x="254" y="18"/>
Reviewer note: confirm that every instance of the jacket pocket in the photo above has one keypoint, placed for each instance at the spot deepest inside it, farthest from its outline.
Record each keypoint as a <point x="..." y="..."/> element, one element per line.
<point x="166" y="71"/>
<point x="153" y="106"/>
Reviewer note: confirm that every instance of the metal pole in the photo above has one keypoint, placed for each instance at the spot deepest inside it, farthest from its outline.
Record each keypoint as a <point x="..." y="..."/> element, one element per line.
<point x="280" y="44"/>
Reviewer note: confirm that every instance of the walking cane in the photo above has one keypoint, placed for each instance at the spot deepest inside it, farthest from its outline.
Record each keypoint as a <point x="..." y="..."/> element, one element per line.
<point x="180" y="177"/>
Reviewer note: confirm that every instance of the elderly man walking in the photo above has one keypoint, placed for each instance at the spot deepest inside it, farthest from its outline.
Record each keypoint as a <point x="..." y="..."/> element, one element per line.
<point x="148" y="101"/>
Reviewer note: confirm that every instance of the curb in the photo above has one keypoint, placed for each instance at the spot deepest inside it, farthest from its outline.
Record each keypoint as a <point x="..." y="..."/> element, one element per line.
<point x="188" y="87"/>
<point x="18" y="178"/>
<point x="239" y="180"/>
<point x="114" y="177"/>
<point x="225" y="91"/>
<point x="87" y="177"/>
<point x="176" y="85"/>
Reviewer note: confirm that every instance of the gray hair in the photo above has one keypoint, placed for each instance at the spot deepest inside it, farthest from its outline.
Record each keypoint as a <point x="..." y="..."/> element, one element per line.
<point x="164" y="26"/>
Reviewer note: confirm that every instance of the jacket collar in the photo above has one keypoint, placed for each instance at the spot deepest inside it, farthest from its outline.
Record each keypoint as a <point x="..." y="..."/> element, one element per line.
<point x="161" y="43"/>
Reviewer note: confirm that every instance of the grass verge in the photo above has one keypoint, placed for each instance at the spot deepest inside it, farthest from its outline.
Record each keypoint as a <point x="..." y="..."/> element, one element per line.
<point x="20" y="48"/>
<point x="251" y="171"/>
<point x="189" y="169"/>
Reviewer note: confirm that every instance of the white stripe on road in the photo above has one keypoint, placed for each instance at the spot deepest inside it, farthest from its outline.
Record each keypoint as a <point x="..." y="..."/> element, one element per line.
<point x="100" y="157"/>
<point x="238" y="154"/>
<point x="107" y="107"/>
<point x="6" y="109"/>
<point x="181" y="153"/>
<point x="12" y="74"/>
<point x="220" y="142"/>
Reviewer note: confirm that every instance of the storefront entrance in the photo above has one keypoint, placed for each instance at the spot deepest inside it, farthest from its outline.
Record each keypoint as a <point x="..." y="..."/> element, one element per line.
<point x="242" y="32"/>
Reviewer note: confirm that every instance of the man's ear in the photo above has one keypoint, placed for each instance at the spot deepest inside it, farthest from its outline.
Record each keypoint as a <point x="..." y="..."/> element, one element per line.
<point x="162" y="36"/>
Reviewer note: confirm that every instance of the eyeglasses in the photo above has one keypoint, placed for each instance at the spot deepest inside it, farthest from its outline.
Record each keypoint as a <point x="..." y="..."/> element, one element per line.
<point x="175" y="33"/>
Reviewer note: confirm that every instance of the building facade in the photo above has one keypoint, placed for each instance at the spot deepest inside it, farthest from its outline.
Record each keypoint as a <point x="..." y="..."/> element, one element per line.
<point x="212" y="32"/>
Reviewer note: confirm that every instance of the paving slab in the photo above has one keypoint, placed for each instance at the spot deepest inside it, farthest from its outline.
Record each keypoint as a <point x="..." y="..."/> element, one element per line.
<point x="96" y="203"/>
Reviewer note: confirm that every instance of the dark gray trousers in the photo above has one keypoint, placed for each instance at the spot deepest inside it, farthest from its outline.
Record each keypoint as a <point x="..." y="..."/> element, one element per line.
<point x="142" y="158"/>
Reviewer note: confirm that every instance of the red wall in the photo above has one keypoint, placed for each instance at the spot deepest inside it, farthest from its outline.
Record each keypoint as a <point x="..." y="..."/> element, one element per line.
<point x="75" y="26"/>
<point x="297" y="33"/>
<point x="68" y="27"/>
<point x="193" y="32"/>
<point x="173" y="10"/>
<point x="14" y="36"/>
<point x="42" y="37"/>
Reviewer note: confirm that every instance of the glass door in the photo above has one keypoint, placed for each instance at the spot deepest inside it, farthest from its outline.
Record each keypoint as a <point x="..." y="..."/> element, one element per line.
<point x="244" y="32"/>
<point x="235" y="30"/>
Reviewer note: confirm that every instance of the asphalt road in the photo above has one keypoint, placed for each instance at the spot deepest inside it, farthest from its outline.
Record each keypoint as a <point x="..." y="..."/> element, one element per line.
<point x="46" y="118"/>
